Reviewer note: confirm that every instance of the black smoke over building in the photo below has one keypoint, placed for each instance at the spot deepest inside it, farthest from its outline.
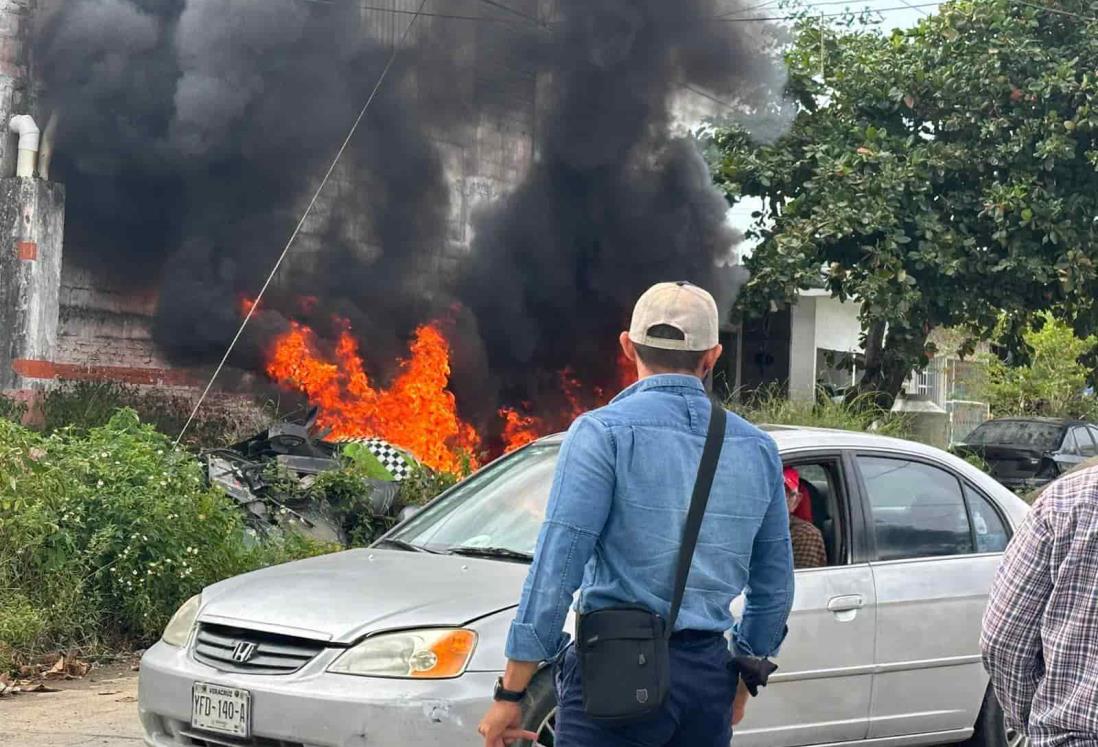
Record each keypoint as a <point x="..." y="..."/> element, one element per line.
<point x="193" y="133"/>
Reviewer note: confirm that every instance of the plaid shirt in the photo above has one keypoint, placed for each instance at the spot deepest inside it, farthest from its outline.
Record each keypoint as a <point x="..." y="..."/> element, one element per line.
<point x="808" y="544"/>
<point x="1040" y="636"/>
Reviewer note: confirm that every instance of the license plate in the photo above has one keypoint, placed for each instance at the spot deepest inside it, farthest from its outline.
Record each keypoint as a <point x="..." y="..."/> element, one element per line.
<point x="226" y="710"/>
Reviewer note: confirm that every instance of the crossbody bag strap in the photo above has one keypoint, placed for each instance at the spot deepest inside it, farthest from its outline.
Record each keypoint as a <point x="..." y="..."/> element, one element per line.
<point x="711" y="454"/>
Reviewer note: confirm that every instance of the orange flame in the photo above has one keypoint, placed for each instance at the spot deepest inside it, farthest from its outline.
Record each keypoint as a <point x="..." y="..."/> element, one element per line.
<point x="520" y="429"/>
<point x="417" y="412"/>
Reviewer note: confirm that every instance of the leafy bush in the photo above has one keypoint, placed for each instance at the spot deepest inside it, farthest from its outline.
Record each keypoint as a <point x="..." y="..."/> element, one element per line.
<point x="12" y="409"/>
<point x="770" y="406"/>
<point x="424" y="484"/>
<point x="1052" y="383"/>
<point x="105" y="531"/>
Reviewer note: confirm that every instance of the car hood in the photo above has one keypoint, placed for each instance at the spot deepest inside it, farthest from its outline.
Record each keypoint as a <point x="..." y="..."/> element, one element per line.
<point x="343" y="596"/>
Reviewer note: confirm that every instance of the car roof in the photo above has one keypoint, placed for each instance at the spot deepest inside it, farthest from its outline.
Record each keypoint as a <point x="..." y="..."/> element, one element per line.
<point x="790" y="437"/>
<point x="793" y="439"/>
<point x="1048" y="421"/>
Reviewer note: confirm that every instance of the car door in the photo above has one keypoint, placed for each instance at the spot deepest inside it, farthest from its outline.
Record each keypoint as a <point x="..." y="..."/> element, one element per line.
<point x="1077" y="447"/>
<point x="822" y="689"/>
<point x="937" y="542"/>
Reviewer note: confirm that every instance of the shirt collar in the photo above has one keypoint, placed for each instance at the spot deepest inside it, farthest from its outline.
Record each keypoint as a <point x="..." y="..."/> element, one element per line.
<point x="663" y="381"/>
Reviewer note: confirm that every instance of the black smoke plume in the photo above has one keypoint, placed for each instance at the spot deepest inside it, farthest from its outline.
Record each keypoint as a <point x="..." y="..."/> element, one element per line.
<point x="193" y="133"/>
<point x="615" y="202"/>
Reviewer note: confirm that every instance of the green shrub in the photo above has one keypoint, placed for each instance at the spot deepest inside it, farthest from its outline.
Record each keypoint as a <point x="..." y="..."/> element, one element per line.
<point x="1052" y="383"/>
<point x="424" y="484"/>
<point x="12" y="409"/>
<point x="105" y="531"/>
<point x="770" y="406"/>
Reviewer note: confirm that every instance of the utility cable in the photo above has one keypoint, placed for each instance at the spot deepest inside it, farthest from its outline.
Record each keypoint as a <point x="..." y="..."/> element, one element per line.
<point x="301" y="223"/>
<point x="1072" y="14"/>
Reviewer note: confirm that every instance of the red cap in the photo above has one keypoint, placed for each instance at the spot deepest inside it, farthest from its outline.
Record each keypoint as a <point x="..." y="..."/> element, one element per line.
<point x="792" y="478"/>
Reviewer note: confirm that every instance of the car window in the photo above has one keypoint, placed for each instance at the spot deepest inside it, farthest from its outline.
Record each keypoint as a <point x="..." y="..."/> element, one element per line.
<point x="1085" y="442"/>
<point x="918" y="511"/>
<point x="501" y="506"/>
<point x="1093" y="432"/>
<point x="1069" y="446"/>
<point x="820" y="508"/>
<point x="988" y="528"/>
<point x="1036" y="434"/>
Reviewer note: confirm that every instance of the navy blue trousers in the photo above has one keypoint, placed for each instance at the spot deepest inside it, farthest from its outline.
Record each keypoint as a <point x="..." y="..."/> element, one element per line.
<point x="697" y="713"/>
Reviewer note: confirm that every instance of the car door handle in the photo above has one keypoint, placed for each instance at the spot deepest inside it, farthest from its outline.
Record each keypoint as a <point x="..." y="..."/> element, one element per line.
<point x="845" y="603"/>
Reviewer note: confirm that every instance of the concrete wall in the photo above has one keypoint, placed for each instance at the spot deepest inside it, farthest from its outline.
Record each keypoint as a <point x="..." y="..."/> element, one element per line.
<point x="32" y="226"/>
<point x="818" y="322"/>
<point x="837" y="325"/>
<point x="802" y="348"/>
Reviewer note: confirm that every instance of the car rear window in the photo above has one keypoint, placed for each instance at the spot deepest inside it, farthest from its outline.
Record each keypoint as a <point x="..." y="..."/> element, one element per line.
<point x="1017" y="433"/>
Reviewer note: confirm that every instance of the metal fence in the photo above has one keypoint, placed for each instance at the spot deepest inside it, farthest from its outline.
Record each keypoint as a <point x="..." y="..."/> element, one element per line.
<point x="952" y="384"/>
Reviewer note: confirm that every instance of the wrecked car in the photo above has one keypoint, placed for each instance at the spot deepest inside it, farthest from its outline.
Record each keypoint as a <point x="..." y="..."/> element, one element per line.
<point x="275" y="477"/>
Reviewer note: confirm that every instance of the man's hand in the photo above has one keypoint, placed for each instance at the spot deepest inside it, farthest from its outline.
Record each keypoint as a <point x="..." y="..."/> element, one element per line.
<point x="739" y="704"/>
<point x="502" y="725"/>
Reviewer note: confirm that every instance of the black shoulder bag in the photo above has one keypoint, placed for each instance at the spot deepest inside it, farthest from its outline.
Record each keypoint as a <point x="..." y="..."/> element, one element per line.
<point x="622" y="652"/>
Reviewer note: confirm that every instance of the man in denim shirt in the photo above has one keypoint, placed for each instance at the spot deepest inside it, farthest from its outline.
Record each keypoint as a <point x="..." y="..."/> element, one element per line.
<point x="613" y="526"/>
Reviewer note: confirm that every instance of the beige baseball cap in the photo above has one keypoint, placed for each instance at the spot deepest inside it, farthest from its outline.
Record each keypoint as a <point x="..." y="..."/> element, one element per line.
<point x="686" y="307"/>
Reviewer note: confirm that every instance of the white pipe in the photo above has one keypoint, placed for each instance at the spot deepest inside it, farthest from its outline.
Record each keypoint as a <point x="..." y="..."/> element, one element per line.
<point x="29" y="139"/>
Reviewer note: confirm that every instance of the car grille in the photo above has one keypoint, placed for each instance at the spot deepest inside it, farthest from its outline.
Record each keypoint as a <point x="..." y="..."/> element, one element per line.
<point x="252" y="651"/>
<point x="201" y="738"/>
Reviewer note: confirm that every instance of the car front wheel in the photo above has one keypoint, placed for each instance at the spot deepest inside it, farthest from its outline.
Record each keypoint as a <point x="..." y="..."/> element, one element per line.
<point x="991" y="727"/>
<point x="540" y="710"/>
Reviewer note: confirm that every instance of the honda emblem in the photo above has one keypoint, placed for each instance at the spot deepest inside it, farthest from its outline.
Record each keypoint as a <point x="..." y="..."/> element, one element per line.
<point x="243" y="651"/>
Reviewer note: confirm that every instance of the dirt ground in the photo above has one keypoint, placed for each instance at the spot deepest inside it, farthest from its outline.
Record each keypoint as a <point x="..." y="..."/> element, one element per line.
<point x="99" y="710"/>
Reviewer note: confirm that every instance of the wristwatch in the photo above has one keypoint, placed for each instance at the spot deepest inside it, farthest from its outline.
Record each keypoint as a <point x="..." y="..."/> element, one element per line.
<point x="510" y="696"/>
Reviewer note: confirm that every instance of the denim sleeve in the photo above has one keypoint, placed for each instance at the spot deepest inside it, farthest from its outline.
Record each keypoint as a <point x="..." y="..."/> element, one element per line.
<point x="579" y="503"/>
<point x="770" y="576"/>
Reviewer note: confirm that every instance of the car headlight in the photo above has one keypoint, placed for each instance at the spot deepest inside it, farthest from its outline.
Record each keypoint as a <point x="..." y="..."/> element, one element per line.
<point x="433" y="653"/>
<point x="179" y="627"/>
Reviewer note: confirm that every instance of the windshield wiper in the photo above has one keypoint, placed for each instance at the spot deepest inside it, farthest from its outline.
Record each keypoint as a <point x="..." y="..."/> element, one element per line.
<point x="405" y="545"/>
<point x="497" y="553"/>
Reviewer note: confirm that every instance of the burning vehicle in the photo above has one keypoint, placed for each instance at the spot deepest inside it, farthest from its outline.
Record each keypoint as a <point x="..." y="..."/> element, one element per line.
<point x="276" y="477"/>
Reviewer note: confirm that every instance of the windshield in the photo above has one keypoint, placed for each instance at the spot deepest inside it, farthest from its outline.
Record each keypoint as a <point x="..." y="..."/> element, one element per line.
<point x="501" y="506"/>
<point x="1044" y="436"/>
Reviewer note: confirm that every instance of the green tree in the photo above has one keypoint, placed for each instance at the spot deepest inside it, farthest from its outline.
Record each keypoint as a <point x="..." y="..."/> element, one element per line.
<point x="943" y="175"/>
<point x="1052" y="382"/>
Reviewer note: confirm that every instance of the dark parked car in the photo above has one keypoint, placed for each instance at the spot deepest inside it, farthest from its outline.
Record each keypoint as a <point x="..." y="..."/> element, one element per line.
<point x="1025" y="453"/>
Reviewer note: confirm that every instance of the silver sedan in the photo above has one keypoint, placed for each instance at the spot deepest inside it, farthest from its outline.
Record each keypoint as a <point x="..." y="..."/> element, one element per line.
<point x="400" y="644"/>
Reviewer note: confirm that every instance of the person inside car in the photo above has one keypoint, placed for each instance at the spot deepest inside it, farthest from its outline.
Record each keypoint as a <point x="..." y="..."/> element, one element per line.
<point x="809" y="550"/>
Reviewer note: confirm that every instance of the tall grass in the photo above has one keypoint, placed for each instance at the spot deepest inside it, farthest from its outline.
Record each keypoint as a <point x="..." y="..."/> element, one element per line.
<point x="771" y="406"/>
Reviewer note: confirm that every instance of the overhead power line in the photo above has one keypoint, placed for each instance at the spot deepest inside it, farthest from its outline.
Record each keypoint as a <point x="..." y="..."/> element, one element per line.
<point x="920" y="10"/>
<point x="1058" y="11"/>
<point x="513" y="11"/>
<point x="301" y="223"/>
